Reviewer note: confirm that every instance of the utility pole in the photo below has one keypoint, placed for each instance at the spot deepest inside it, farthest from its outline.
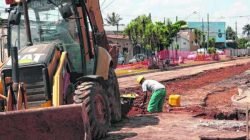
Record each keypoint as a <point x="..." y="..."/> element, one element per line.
<point x="207" y="31"/>
<point x="47" y="16"/>
<point x="203" y="36"/>
<point x="117" y="27"/>
<point x="176" y="43"/>
<point x="236" y="30"/>
<point x="117" y="30"/>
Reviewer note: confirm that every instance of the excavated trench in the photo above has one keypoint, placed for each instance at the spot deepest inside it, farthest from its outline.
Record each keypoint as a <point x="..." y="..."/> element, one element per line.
<point x="208" y="95"/>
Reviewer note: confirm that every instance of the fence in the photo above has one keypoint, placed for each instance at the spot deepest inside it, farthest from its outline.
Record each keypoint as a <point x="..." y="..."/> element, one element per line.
<point x="172" y="54"/>
<point x="173" y="57"/>
<point x="237" y="52"/>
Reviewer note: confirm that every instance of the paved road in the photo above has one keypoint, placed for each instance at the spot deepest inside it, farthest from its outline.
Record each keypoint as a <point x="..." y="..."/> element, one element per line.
<point x="130" y="81"/>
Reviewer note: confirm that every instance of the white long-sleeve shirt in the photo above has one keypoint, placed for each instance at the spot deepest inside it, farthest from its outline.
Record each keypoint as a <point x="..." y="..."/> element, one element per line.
<point x="151" y="85"/>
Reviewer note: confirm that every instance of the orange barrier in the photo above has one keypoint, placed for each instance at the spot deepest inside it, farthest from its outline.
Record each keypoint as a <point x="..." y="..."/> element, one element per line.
<point x="142" y="64"/>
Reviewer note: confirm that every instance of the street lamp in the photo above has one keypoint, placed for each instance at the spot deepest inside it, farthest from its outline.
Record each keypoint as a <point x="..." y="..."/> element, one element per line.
<point x="193" y="13"/>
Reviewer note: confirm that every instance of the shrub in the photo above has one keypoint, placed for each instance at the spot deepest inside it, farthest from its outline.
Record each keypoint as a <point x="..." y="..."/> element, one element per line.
<point x="211" y="50"/>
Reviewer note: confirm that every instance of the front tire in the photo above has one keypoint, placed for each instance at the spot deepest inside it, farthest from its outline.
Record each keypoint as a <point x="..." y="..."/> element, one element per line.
<point x="93" y="95"/>
<point x="114" y="96"/>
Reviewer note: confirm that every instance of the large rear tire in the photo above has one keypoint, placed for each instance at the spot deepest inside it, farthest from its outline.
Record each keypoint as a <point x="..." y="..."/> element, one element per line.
<point x="86" y="123"/>
<point x="114" y="96"/>
<point x="93" y="95"/>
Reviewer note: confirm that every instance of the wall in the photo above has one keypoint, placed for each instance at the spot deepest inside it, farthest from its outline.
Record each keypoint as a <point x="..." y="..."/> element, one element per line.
<point x="217" y="30"/>
<point x="186" y="40"/>
<point x="123" y="43"/>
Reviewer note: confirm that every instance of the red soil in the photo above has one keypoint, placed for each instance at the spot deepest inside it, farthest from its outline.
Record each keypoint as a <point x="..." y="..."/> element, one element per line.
<point x="183" y="85"/>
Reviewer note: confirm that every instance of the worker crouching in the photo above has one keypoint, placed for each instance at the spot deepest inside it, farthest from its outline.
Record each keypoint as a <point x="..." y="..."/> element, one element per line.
<point x="157" y="98"/>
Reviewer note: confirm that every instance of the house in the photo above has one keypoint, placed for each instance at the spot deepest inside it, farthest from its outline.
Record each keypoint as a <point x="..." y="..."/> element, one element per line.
<point x="186" y="40"/>
<point x="124" y="44"/>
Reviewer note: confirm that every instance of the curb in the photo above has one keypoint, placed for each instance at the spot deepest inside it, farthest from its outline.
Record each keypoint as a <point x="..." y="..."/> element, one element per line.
<point x="178" y="67"/>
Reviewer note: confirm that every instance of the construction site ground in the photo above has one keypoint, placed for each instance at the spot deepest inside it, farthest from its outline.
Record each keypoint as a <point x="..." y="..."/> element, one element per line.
<point x="206" y="107"/>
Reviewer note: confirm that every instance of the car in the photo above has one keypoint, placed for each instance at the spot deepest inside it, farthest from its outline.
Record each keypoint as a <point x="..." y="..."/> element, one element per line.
<point x="121" y="59"/>
<point x="138" y="58"/>
<point x="220" y="52"/>
<point x="192" y="55"/>
<point x="202" y="51"/>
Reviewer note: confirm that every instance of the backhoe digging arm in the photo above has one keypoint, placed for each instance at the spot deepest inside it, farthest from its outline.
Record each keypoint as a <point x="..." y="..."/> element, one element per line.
<point x="94" y="10"/>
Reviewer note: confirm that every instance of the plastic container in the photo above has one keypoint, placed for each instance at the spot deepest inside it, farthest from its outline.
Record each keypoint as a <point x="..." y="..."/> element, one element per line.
<point x="174" y="100"/>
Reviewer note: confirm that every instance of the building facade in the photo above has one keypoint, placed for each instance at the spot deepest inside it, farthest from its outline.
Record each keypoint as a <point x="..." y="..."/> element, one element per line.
<point x="215" y="30"/>
<point x="186" y="40"/>
<point x="124" y="44"/>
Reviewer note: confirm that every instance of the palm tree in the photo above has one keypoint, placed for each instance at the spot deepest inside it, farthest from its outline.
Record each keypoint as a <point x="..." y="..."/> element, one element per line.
<point x="113" y="20"/>
<point x="198" y="36"/>
<point x="246" y="30"/>
<point x="230" y="34"/>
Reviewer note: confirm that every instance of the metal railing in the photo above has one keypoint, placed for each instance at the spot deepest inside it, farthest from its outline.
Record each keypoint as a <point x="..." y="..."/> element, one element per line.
<point x="237" y="52"/>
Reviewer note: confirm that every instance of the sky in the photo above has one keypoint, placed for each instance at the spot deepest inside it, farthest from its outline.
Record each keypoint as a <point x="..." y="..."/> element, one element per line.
<point x="229" y="11"/>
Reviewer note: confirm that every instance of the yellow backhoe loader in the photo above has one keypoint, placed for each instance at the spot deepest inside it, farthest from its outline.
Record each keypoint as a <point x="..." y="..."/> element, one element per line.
<point x="59" y="80"/>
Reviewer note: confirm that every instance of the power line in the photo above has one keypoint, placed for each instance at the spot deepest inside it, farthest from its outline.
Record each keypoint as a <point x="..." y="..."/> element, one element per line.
<point x="103" y="2"/>
<point x="108" y="5"/>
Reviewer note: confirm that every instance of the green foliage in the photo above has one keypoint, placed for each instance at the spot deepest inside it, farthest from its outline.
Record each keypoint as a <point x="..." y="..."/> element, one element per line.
<point x="151" y="35"/>
<point x="212" y="42"/>
<point x="211" y="50"/>
<point x="198" y="36"/>
<point x="1" y="21"/>
<point x="136" y="29"/>
<point x="113" y="19"/>
<point x="177" y="46"/>
<point x="242" y="43"/>
<point x="230" y="34"/>
<point x="246" y="30"/>
<point x="248" y="44"/>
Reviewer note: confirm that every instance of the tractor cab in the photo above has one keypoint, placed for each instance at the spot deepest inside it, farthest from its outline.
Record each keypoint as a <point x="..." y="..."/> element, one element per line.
<point x="43" y="32"/>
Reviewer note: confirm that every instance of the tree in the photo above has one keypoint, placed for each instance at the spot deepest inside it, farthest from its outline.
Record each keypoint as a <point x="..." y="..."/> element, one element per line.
<point x="246" y="30"/>
<point x="136" y="29"/>
<point x="212" y="42"/>
<point x="113" y="20"/>
<point x="211" y="49"/>
<point x="152" y="35"/>
<point x="230" y="34"/>
<point x="1" y="21"/>
<point x="242" y="43"/>
<point x="173" y="29"/>
<point x="198" y="36"/>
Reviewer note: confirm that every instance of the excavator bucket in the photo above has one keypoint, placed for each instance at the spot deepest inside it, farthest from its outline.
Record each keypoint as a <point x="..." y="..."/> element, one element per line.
<point x="62" y="123"/>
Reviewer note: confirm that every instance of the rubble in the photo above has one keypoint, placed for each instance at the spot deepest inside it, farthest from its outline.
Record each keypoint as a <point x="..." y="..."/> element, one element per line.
<point x="223" y="124"/>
